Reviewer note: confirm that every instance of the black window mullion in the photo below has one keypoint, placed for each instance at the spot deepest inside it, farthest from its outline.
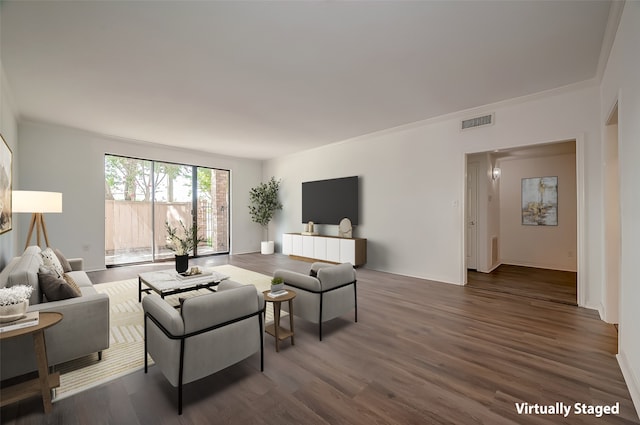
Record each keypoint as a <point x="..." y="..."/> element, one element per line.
<point x="194" y="203"/>
<point x="153" y="211"/>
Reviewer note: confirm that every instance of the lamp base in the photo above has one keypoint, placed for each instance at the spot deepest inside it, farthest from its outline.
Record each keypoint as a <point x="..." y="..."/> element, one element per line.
<point x="37" y="221"/>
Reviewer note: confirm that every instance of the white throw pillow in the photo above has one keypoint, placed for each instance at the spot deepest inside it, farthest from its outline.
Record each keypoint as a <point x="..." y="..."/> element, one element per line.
<point x="51" y="262"/>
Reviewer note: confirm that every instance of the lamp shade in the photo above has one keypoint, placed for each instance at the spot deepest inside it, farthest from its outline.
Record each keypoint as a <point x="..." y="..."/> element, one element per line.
<point x="29" y="201"/>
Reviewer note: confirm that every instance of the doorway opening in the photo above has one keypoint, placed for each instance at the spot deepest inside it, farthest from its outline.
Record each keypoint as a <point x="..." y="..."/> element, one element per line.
<point x="523" y="246"/>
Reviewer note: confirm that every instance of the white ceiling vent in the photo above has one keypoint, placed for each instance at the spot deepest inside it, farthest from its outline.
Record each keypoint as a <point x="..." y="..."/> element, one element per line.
<point x="477" y="122"/>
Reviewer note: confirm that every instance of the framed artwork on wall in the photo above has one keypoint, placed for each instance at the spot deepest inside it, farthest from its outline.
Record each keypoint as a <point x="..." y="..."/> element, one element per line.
<point x="540" y="201"/>
<point x="5" y="186"/>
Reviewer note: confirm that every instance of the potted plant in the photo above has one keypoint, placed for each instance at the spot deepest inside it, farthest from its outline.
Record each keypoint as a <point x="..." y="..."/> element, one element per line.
<point x="264" y="204"/>
<point x="14" y="302"/>
<point x="182" y="244"/>
<point x="277" y="284"/>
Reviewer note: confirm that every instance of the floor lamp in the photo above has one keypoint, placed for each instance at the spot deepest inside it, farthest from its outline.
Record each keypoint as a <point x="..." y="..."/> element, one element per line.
<point x="36" y="203"/>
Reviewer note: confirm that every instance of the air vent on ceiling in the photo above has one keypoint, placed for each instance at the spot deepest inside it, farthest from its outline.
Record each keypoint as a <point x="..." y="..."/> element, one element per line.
<point x="477" y="122"/>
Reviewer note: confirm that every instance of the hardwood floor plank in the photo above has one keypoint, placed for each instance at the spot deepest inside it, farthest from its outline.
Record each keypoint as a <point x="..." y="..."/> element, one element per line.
<point x="549" y="285"/>
<point x="421" y="352"/>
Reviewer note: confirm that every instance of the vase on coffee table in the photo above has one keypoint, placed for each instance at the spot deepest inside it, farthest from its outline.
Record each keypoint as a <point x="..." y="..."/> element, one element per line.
<point x="182" y="263"/>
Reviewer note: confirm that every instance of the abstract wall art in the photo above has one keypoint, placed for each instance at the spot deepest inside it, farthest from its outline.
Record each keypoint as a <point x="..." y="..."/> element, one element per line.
<point x="5" y="186"/>
<point x="540" y="201"/>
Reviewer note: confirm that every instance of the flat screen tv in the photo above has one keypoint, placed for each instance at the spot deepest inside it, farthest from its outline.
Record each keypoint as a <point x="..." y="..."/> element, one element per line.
<point x="329" y="201"/>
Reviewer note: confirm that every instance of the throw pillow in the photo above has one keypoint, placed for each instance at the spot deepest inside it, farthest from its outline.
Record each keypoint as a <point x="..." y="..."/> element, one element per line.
<point x="55" y="288"/>
<point x="51" y="262"/>
<point x="66" y="266"/>
<point x="72" y="283"/>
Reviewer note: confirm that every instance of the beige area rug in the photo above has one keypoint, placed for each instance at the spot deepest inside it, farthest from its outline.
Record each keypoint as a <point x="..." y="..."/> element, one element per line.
<point x="126" y="343"/>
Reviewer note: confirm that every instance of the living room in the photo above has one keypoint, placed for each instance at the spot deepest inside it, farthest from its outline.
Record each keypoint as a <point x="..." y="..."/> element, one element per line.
<point x="412" y="179"/>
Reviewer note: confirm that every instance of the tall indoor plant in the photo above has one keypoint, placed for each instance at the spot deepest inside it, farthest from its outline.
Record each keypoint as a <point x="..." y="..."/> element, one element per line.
<point x="264" y="204"/>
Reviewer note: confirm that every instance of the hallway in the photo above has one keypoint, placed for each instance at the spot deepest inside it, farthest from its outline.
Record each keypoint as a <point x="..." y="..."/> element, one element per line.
<point x="543" y="284"/>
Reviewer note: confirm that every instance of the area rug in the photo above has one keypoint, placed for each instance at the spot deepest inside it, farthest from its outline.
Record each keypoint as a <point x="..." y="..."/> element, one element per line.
<point x="126" y="341"/>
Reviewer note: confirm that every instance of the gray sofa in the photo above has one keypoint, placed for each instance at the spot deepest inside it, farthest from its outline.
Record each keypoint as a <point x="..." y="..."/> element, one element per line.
<point x="83" y="330"/>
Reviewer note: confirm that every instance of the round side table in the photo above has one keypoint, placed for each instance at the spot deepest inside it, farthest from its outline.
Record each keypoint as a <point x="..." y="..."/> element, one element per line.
<point x="45" y="381"/>
<point x="275" y="329"/>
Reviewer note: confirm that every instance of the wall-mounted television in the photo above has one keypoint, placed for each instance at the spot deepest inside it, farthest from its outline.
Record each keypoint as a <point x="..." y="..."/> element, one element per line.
<point x="329" y="201"/>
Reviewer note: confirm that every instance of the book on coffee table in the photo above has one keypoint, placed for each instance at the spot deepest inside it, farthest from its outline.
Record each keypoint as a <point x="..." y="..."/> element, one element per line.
<point x="278" y="293"/>
<point x="30" y="319"/>
<point x="192" y="276"/>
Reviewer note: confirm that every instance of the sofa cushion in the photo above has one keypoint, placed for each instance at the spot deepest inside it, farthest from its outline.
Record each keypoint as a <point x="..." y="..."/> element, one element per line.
<point x="4" y="274"/>
<point x="55" y="288"/>
<point x="25" y="272"/>
<point x="51" y="262"/>
<point x="81" y="279"/>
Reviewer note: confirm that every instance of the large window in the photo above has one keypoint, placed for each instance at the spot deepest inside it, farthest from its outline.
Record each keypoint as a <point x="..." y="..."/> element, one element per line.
<point x="142" y="195"/>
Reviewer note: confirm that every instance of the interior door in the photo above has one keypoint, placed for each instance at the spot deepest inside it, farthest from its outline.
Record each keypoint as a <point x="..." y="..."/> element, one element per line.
<point x="472" y="216"/>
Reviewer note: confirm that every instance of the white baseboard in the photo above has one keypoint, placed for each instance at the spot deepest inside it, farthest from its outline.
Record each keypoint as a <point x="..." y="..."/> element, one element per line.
<point x="601" y="312"/>
<point x="494" y="267"/>
<point x="633" y="383"/>
<point x="538" y="265"/>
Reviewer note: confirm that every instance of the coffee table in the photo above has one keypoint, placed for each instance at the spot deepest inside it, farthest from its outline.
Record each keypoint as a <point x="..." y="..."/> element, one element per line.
<point x="169" y="282"/>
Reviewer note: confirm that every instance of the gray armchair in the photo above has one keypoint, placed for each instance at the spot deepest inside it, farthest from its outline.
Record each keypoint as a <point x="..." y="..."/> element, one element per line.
<point x="209" y="333"/>
<point x="328" y="292"/>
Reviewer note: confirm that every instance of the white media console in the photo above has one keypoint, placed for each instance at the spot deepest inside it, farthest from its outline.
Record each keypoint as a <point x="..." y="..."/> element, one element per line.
<point x="325" y="248"/>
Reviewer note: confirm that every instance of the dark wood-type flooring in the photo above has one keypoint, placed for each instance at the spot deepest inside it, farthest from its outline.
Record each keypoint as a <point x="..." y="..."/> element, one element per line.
<point x="550" y="285"/>
<point x="422" y="352"/>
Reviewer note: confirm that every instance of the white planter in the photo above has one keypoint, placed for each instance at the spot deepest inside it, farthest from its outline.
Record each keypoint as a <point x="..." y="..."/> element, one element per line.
<point x="278" y="287"/>
<point x="266" y="247"/>
<point x="9" y="313"/>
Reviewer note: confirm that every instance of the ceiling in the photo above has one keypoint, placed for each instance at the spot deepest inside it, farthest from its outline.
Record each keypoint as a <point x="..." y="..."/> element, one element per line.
<point x="265" y="79"/>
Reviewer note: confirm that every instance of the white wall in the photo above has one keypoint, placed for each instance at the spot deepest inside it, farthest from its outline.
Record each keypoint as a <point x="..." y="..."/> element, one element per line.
<point x="611" y="280"/>
<point x="412" y="182"/>
<point x="621" y="83"/>
<point x="550" y="247"/>
<point x="9" y="131"/>
<point x="70" y="161"/>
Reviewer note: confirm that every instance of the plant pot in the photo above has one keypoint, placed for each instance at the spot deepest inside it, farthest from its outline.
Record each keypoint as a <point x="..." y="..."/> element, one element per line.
<point x="278" y="287"/>
<point x="266" y="247"/>
<point x="11" y="312"/>
<point x="182" y="263"/>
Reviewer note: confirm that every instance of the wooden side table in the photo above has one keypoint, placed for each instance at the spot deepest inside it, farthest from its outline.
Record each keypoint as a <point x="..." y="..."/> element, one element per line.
<point x="45" y="381"/>
<point x="275" y="329"/>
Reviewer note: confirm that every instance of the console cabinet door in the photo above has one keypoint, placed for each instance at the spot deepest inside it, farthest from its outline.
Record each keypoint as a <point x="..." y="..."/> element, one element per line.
<point x="333" y="250"/>
<point x="307" y="246"/>
<point x="296" y="246"/>
<point x="347" y="251"/>
<point x="320" y="248"/>
<point x="287" y="244"/>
